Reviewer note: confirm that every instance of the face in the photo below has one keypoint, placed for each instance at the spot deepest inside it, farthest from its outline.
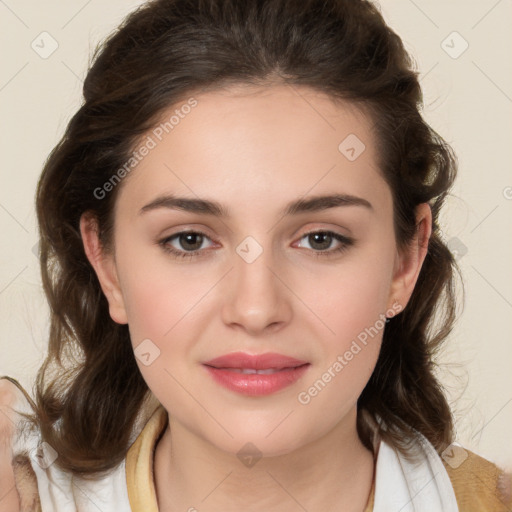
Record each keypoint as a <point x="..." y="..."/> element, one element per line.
<point x="195" y="281"/>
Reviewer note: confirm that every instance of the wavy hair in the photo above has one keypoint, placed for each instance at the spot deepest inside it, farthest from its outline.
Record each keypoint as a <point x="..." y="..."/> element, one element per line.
<point x="89" y="391"/>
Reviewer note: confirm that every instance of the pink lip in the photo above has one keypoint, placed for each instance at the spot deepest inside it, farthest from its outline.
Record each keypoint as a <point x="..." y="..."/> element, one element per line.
<point x="223" y="370"/>
<point x="257" y="362"/>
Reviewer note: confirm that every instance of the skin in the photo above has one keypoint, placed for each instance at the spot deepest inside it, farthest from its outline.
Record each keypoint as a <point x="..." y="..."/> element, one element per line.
<point x="255" y="149"/>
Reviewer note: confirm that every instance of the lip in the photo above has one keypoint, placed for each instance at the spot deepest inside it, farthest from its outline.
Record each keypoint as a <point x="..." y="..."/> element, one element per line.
<point x="264" y="361"/>
<point x="226" y="371"/>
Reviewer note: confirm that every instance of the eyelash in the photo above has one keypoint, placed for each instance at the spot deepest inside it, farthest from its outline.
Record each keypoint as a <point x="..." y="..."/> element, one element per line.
<point x="345" y="241"/>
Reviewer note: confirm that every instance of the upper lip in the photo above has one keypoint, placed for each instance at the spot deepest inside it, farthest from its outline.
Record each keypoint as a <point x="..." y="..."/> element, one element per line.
<point x="242" y="360"/>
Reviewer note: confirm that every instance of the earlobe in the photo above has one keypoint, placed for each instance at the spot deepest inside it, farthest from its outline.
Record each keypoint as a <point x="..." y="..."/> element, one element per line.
<point x="104" y="267"/>
<point x="408" y="263"/>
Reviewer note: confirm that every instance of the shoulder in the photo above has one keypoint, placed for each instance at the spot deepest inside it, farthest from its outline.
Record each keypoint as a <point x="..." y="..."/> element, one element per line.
<point x="31" y="480"/>
<point x="479" y="485"/>
<point x="18" y="482"/>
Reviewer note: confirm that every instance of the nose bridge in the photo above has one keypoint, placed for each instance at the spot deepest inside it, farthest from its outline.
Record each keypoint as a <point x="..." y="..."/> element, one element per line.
<point x="256" y="296"/>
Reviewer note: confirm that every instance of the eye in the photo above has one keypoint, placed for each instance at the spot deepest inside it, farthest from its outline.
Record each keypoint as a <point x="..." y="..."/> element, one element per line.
<point x="185" y="244"/>
<point x="321" y="242"/>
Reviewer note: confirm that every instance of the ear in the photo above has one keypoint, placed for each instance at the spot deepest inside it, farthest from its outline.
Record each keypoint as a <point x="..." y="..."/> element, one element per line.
<point x="408" y="263"/>
<point x="105" y="267"/>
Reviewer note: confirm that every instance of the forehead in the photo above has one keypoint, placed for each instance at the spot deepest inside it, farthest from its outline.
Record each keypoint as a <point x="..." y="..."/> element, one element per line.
<point x="263" y="144"/>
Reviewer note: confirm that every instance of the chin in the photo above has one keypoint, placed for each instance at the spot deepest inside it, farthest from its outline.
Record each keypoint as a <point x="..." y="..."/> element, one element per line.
<point x="258" y="442"/>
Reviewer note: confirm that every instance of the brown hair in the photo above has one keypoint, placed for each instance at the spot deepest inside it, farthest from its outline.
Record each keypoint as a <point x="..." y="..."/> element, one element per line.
<point x="168" y="50"/>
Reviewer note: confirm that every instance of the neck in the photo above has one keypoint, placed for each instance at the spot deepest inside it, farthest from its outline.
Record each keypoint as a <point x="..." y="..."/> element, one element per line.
<point x="334" y="472"/>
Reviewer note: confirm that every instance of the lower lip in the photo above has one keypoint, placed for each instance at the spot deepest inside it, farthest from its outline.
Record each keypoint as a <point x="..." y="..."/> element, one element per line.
<point x="257" y="384"/>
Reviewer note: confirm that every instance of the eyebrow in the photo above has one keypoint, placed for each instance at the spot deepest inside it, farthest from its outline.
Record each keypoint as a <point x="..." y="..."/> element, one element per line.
<point x="208" y="207"/>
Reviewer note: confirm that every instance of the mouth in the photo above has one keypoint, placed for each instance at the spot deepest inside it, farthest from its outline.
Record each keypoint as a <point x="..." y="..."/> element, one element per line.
<point x="256" y="375"/>
<point x="243" y="361"/>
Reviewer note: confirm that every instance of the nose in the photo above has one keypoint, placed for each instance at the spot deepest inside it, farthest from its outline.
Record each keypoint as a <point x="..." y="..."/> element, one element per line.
<point x="255" y="296"/>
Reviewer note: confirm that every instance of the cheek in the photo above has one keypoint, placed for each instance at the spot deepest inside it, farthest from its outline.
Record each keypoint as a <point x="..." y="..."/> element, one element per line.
<point x="351" y="304"/>
<point x="348" y="354"/>
<point x="159" y="294"/>
<point x="168" y="307"/>
<point x="349" y="298"/>
<point x="162" y="307"/>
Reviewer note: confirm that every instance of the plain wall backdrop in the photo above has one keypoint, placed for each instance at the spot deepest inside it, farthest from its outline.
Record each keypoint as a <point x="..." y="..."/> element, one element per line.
<point x="463" y="53"/>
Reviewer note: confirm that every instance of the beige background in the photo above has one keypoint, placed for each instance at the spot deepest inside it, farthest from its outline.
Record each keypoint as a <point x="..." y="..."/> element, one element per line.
<point x="468" y="100"/>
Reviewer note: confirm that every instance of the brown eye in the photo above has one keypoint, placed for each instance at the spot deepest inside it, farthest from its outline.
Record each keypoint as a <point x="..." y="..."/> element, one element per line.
<point x="321" y="242"/>
<point x="190" y="241"/>
<point x="185" y="244"/>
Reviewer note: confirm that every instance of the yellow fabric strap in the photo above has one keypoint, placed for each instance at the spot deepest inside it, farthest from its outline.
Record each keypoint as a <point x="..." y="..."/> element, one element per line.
<point x="371" y="499"/>
<point x="139" y="467"/>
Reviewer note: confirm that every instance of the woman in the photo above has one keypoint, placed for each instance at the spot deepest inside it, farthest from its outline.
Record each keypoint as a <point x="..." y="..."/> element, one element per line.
<point x="241" y="252"/>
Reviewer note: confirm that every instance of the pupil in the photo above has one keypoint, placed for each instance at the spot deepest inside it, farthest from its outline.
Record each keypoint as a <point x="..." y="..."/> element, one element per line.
<point x="189" y="241"/>
<point x="317" y="236"/>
